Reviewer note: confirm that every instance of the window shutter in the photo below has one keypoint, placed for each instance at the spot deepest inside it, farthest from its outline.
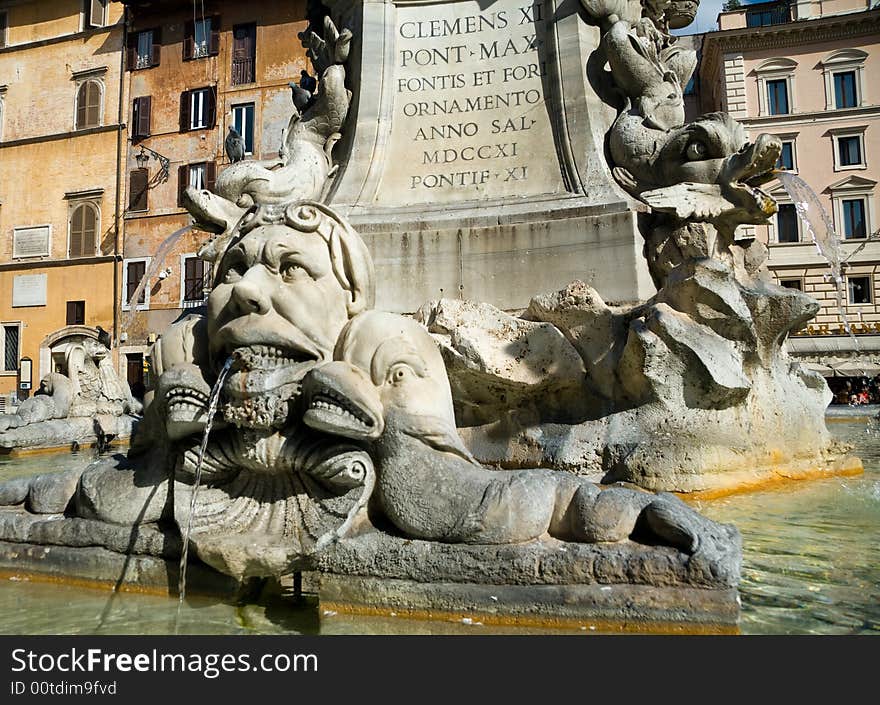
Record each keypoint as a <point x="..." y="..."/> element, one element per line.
<point x="214" y="40"/>
<point x="189" y="38"/>
<point x="96" y="13"/>
<point x="131" y="52"/>
<point x="184" y="111"/>
<point x="93" y="104"/>
<point x="89" y="230"/>
<point x="2" y="29"/>
<point x="212" y="107"/>
<point x="137" y="190"/>
<point x="157" y="45"/>
<point x="182" y="182"/>
<point x="81" y="105"/>
<point x="141" y="116"/>
<point x="210" y="175"/>
<point x="76" y="230"/>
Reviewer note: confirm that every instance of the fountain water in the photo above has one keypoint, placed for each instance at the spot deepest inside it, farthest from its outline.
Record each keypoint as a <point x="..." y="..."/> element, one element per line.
<point x="820" y="228"/>
<point x="155" y="263"/>
<point x="212" y="410"/>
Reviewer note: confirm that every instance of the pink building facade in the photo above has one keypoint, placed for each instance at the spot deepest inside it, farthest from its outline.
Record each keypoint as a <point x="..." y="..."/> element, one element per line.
<point x="809" y="72"/>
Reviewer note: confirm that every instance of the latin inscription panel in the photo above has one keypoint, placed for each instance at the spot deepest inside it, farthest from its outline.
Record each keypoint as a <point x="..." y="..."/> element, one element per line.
<point x="469" y="115"/>
<point x="29" y="290"/>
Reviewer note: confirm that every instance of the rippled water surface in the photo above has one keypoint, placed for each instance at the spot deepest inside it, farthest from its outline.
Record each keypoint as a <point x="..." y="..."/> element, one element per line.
<point x="810" y="566"/>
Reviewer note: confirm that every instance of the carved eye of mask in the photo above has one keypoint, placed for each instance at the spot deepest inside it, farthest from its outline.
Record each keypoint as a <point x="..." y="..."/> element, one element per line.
<point x="290" y="270"/>
<point x="399" y="372"/>
<point x="696" y="151"/>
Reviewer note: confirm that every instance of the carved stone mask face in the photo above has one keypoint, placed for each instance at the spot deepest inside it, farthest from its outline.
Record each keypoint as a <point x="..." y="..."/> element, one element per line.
<point x="277" y="303"/>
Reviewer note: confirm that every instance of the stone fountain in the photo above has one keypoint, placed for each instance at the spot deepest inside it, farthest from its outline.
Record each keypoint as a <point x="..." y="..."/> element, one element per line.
<point x="87" y="403"/>
<point x="464" y="461"/>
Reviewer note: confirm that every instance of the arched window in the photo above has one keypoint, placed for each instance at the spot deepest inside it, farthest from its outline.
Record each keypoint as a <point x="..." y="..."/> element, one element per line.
<point x="83" y="230"/>
<point x="88" y="104"/>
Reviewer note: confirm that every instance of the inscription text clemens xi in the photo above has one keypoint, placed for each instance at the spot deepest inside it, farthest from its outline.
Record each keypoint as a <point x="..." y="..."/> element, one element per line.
<point x="469" y="119"/>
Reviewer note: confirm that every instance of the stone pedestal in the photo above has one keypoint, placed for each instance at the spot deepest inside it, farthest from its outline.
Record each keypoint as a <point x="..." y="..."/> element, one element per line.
<point x="475" y="154"/>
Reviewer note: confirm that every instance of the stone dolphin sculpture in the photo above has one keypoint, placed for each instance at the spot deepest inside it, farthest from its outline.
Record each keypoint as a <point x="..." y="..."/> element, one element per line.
<point x="388" y="387"/>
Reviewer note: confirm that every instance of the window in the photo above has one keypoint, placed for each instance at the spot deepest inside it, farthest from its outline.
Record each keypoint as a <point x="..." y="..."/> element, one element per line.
<point x="94" y="13"/>
<point x="244" y="53"/>
<point x="849" y="150"/>
<point x="138" y="188"/>
<point x="859" y="289"/>
<point x="11" y="346"/>
<point x="200" y="175"/>
<point x="792" y="284"/>
<point x="83" y="231"/>
<point x="144" y="49"/>
<point x="3" y="24"/>
<point x="845" y="89"/>
<point x="776" y="86"/>
<point x="786" y="156"/>
<point x="133" y="272"/>
<point x="787" y="223"/>
<point x="88" y="105"/>
<point x="76" y="313"/>
<point x="765" y="16"/>
<point x="198" y="109"/>
<point x="202" y="38"/>
<point x="852" y="201"/>
<point x="843" y="73"/>
<point x="140" y="117"/>
<point x="854" y="222"/>
<point x="777" y="96"/>
<point x="194" y="282"/>
<point x="243" y="121"/>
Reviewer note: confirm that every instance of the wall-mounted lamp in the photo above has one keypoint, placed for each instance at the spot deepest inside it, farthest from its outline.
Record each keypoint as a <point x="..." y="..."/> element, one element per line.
<point x="164" y="274"/>
<point x="143" y="159"/>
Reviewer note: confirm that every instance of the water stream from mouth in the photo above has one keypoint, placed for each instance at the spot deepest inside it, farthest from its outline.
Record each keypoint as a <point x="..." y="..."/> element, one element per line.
<point x="157" y="261"/>
<point x="197" y="476"/>
<point x="820" y="228"/>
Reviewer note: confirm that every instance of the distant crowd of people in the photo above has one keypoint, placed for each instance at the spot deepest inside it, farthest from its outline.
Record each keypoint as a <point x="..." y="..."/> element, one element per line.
<point x="856" y="391"/>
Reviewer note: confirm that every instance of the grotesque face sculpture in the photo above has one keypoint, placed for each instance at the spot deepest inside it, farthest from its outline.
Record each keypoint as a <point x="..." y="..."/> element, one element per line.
<point x="285" y="287"/>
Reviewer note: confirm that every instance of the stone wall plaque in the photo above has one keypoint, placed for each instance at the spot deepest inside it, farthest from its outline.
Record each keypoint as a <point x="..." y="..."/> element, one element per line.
<point x="469" y="117"/>
<point x="31" y="242"/>
<point x="29" y="290"/>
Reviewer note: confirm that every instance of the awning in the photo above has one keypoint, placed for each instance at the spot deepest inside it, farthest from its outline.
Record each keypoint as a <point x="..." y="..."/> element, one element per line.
<point x="824" y="370"/>
<point x="854" y="368"/>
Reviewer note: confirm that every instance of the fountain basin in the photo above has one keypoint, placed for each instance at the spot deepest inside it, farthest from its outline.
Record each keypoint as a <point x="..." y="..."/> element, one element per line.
<point x="546" y="582"/>
<point x="63" y="434"/>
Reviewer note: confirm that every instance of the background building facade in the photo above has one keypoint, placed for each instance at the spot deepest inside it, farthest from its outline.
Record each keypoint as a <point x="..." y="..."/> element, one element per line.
<point x="61" y="144"/>
<point x="803" y="71"/>
<point x="190" y="77"/>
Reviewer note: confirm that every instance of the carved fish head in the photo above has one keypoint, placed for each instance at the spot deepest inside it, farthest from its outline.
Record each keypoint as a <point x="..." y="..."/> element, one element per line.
<point x="388" y="374"/>
<point x="714" y="151"/>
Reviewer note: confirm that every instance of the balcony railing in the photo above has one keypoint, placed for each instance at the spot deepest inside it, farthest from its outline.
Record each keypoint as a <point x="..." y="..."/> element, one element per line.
<point x="243" y="71"/>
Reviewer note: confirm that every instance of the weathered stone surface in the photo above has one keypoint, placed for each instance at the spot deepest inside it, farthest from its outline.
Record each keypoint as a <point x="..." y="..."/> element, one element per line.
<point x="714" y="377"/>
<point x="596" y="330"/>
<point x="498" y="363"/>
<point x="616" y="607"/>
<point x="543" y="561"/>
<point x="50" y="494"/>
<point x="110" y="569"/>
<point x="79" y="431"/>
<point x="20" y="526"/>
